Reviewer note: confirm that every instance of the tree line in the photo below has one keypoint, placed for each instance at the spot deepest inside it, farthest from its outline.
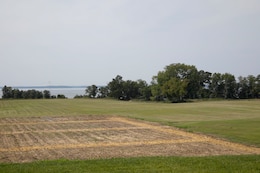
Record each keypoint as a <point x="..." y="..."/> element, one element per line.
<point x="121" y="89"/>
<point x="176" y="83"/>
<point x="179" y="82"/>
<point x="10" y="93"/>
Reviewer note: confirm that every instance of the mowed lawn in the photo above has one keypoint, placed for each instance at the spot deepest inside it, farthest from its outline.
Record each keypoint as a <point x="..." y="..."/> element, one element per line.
<point x="214" y="164"/>
<point x="238" y="121"/>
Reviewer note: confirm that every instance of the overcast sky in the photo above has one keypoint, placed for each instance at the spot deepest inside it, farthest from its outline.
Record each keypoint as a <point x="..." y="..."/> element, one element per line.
<point x="84" y="42"/>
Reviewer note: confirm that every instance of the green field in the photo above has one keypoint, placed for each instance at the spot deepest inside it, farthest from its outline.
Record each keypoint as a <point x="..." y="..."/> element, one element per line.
<point x="237" y="121"/>
<point x="215" y="164"/>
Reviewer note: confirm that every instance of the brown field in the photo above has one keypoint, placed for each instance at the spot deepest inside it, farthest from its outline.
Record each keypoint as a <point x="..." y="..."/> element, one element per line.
<point x="91" y="137"/>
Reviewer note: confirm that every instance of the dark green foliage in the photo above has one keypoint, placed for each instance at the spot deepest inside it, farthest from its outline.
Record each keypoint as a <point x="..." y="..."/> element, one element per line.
<point x="176" y="83"/>
<point x="115" y="87"/>
<point x="78" y="96"/>
<point x="102" y="92"/>
<point x="92" y="91"/>
<point x="249" y="87"/>
<point x="126" y="90"/>
<point x="61" y="96"/>
<point x="31" y="94"/>
<point x="9" y="93"/>
<point x="179" y="81"/>
<point x="46" y="94"/>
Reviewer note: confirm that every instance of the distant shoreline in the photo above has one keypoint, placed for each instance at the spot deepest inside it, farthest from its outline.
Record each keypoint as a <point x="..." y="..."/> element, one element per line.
<point x="49" y="86"/>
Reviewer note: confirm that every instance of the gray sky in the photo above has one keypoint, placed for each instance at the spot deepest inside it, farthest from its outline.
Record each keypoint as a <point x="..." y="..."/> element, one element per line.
<point x="84" y="42"/>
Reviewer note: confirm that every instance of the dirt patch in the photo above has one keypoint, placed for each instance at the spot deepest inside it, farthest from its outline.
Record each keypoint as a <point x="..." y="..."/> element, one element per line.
<point x="89" y="137"/>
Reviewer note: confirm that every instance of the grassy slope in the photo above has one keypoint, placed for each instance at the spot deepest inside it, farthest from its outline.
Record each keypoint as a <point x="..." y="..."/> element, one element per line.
<point x="246" y="131"/>
<point x="235" y="120"/>
<point x="217" y="164"/>
<point x="197" y="111"/>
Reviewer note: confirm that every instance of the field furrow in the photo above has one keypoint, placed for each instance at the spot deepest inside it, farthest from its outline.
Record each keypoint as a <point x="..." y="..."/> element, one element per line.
<point x="85" y="137"/>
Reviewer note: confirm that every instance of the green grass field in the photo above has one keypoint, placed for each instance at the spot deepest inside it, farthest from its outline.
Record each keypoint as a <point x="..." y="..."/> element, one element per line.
<point x="238" y="121"/>
<point x="215" y="164"/>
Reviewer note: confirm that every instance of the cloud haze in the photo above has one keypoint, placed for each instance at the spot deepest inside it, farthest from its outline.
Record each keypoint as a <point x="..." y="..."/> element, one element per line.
<point x="84" y="42"/>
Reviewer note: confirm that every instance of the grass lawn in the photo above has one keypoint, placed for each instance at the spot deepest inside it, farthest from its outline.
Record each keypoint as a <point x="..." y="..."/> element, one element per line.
<point x="244" y="131"/>
<point x="238" y="121"/>
<point x="216" y="164"/>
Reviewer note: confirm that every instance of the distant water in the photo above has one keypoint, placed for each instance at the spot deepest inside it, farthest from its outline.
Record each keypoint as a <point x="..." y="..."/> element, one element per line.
<point x="69" y="92"/>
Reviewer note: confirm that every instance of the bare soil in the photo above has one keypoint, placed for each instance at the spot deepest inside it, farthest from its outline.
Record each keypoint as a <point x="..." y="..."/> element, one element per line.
<point x="91" y="137"/>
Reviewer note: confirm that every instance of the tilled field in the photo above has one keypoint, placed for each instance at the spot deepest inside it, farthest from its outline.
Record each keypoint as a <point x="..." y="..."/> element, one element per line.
<point x="91" y="137"/>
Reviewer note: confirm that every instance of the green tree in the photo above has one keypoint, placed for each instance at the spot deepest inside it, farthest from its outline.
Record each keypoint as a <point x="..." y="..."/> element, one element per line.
<point x="126" y="90"/>
<point x="229" y="86"/>
<point x="183" y="74"/>
<point x="242" y="87"/>
<point x="144" y="90"/>
<point x="193" y="82"/>
<point x="258" y="86"/>
<point x="156" y="93"/>
<point x="61" y="96"/>
<point x="175" y="89"/>
<point x="32" y="94"/>
<point x="92" y="91"/>
<point x="204" y="81"/>
<point x="216" y="86"/>
<point x="17" y="94"/>
<point x="46" y="94"/>
<point x="115" y="87"/>
<point x="156" y="90"/>
<point x="252" y="86"/>
<point x="103" y="92"/>
<point x="130" y="90"/>
<point x="7" y="92"/>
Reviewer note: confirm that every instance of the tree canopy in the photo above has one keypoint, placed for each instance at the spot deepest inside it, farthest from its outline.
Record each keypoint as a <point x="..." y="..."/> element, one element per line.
<point x="179" y="82"/>
<point x="126" y="90"/>
<point x="10" y="93"/>
<point x="176" y="83"/>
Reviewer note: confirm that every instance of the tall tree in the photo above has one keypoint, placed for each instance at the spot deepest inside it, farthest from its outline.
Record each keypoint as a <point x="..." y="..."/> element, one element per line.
<point x="144" y="90"/>
<point x="130" y="90"/>
<point x="156" y="90"/>
<point x="193" y="80"/>
<point x="17" y="94"/>
<point x="216" y="86"/>
<point x="7" y="92"/>
<point x="103" y="92"/>
<point x="242" y="87"/>
<point x="205" y="81"/>
<point x="46" y="94"/>
<point x="252" y="86"/>
<point x="175" y="89"/>
<point x="115" y="87"/>
<point x="258" y="85"/>
<point x="229" y="86"/>
<point x="92" y="91"/>
<point x="177" y="73"/>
